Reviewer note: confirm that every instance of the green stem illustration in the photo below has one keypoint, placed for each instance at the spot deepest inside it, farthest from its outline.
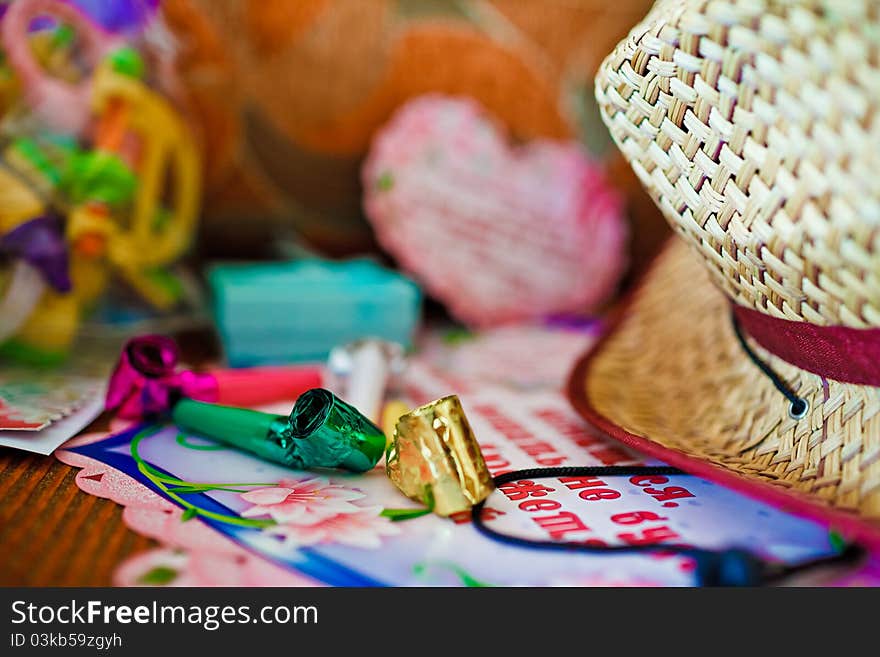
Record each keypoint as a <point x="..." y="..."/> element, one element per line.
<point x="183" y="440"/>
<point x="397" y="515"/>
<point x="421" y="570"/>
<point x="173" y="488"/>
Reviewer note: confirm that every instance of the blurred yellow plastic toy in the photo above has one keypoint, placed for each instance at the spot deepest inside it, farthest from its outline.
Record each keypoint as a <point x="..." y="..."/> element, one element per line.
<point x="152" y="235"/>
<point x="122" y="205"/>
<point x="38" y="311"/>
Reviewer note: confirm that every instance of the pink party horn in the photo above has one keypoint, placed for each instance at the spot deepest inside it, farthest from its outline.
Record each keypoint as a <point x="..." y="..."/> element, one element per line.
<point x="147" y="382"/>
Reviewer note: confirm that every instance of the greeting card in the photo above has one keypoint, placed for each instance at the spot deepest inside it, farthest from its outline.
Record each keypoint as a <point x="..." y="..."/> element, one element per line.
<point x="227" y="517"/>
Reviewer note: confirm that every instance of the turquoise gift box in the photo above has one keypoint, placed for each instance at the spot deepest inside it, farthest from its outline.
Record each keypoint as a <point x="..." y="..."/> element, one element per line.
<point x="294" y="311"/>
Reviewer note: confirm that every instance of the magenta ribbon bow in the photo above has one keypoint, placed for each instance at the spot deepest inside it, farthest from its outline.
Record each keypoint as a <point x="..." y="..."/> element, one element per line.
<point x="146" y="383"/>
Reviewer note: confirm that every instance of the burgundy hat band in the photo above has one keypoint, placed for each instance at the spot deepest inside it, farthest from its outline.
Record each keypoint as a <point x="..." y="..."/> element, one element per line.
<point x="841" y="353"/>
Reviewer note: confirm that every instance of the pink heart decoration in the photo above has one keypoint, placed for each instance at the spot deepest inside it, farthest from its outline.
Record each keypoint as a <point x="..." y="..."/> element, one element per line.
<point x="498" y="233"/>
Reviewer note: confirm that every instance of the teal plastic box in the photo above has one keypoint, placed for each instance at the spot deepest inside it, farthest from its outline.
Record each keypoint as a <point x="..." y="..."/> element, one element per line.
<point x="271" y="313"/>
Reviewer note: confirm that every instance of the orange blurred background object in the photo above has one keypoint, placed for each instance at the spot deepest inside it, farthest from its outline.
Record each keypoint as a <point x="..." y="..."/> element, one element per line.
<point x="289" y="93"/>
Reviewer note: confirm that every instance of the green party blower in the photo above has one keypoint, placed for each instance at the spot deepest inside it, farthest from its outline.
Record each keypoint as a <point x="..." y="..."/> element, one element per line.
<point x="322" y="431"/>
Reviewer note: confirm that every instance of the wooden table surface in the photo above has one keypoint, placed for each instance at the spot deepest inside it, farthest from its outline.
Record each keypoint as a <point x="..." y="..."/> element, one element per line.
<point x="52" y="533"/>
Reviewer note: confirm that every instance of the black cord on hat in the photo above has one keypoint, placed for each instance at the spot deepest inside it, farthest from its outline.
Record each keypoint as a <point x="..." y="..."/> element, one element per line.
<point x="799" y="406"/>
<point x="731" y="567"/>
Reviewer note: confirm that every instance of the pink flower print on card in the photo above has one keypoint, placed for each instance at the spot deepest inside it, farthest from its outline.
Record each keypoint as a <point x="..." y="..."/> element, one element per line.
<point x="362" y="529"/>
<point x="301" y="502"/>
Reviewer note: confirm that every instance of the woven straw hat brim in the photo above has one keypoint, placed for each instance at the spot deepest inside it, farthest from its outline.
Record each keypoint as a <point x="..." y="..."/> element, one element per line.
<point x="671" y="380"/>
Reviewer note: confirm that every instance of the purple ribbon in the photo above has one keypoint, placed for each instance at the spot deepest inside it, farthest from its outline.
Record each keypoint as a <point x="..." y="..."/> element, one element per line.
<point x="120" y="15"/>
<point x="575" y="323"/>
<point x="116" y="16"/>
<point x="146" y="383"/>
<point x="40" y="243"/>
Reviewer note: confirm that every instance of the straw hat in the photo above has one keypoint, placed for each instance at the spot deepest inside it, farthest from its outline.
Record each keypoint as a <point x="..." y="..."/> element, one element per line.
<point x="754" y="125"/>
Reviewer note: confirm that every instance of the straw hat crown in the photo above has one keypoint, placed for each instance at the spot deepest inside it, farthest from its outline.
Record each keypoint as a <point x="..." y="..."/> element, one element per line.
<point x="754" y="125"/>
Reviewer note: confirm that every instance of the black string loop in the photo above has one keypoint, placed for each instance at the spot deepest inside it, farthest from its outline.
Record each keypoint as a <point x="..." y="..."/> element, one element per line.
<point x="799" y="407"/>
